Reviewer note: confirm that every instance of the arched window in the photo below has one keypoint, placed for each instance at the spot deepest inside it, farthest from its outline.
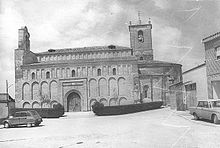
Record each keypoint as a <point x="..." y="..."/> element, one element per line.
<point x="33" y="75"/>
<point x="73" y="73"/>
<point x="99" y="72"/>
<point x="140" y="36"/>
<point x="48" y="75"/>
<point x="141" y="58"/>
<point x="114" y="71"/>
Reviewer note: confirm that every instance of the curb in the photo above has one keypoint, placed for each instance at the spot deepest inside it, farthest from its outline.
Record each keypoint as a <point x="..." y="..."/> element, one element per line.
<point x="196" y="121"/>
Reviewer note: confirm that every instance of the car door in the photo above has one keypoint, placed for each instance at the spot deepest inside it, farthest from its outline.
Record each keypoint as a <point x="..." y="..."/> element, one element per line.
<point x="23" y="118"/>
<point x="199" y="109"/>
<point x="205" y="110"/>
<point x="15" y="120"/>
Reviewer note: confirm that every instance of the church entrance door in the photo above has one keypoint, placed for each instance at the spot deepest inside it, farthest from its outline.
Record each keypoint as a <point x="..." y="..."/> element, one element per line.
<point x="73" y="102"/>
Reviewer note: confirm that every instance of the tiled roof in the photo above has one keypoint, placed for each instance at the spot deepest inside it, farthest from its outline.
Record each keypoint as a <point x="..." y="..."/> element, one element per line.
<point x="194" y="68"/>
<point x="85" y="49"/>
<point x="156" y="62"/>
<point x="211" y="37"/>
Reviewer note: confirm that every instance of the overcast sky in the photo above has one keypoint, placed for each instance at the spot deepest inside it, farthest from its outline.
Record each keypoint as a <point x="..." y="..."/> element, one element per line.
<point x="178" y="27"/>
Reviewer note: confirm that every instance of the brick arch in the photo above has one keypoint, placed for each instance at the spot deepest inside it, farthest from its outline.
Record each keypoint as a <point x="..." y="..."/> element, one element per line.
<point x="91" y="102"/>
<point x="53" y="89"/>
<point x="26" y="105"/>
<point x="122" y="86"/>
<point x="26" y="91"/>
<point x="104" y="101"/>
<point x="112" y="87"/>
<point x="36" y="104"/>
<point x="113" y="102"/>
<point x="93" y="91"/>
<point x="35" y="91"/>
<point x="44" y="89"/>
<point x="52" y="103"/>
<point x="122" y="101"/>
<point x="102" y="87"/>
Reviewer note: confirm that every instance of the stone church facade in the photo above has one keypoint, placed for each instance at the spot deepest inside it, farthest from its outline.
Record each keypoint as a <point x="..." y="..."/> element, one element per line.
<point x="77" y="77"/>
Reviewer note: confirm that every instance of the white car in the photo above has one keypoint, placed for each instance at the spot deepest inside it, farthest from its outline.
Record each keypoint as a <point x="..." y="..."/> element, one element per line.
<point x="207" y="109"/>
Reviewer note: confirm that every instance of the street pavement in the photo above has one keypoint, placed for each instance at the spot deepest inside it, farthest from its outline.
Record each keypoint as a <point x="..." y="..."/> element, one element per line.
<point x="161" y="128"/>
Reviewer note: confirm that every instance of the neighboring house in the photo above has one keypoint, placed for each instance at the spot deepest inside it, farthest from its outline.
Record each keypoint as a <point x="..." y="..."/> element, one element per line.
<point x="77" y="77"/>
<point x="6" y="103"/>
<point x="212" y="56"/>
<point x="195" y="85"/>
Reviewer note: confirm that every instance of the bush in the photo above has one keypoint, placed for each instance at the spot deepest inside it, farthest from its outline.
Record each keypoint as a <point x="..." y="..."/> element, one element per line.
<point x="97" y="107"/>
<point x="57" y="106"/>
<point x="55" y="112"/>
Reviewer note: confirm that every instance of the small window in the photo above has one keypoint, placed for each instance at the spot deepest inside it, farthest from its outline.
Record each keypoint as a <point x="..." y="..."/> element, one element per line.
<point x="23" y="114"/>
<point x="73" y="73"/>
<point x="200" y="104"/>
<point x="48" y="75"/>
<point x="17" y="114"/>
<point x="114" y="71"/>
<point x="205" y="104"/>
<point x="99" y="72"/>
<point x="140" y="36"/>
<point x="33" y="75"/>
<point x="218" y="53"/>
<point x="141" y="58"/>
<point x="145" y="90"/>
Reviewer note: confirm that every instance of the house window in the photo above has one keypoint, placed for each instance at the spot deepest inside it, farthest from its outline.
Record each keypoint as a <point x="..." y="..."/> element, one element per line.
<point x="73" y="73"/>
<point x="190" y="87"/>
<point x="114" y="71"/>
<point x="218" y="53"/>
<point x="33" y="75"/>
<point x="99" y="72"/>
<point x="48" y="75"/>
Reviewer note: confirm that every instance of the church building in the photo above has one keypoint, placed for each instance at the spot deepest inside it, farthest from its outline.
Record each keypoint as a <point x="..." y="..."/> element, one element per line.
<point x="112" y="75"/>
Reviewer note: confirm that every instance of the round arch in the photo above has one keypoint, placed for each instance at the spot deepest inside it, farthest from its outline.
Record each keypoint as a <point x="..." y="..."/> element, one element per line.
<point x="26" y="105"/>
<point x="36" y="104"/>
<point x="104" y="101"/>
<point x="52" y="103"/>
<point x="26" y="93"/>
<point x="35" y="91"/>
<point x="72" y="102"/>
<point x="91" y="102"/>
<point x="112" y="102"/>
<point x="122" y="101"/>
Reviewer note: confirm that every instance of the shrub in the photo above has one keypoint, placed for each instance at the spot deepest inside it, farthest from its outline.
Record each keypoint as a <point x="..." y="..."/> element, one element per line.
<point x="55" y="112"/>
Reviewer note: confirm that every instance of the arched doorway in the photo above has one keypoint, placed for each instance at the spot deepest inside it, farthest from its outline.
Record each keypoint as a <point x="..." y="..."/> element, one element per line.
<point x="73" y="102"/>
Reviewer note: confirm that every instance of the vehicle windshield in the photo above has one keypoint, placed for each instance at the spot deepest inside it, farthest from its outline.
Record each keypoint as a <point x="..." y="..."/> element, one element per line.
<point x="34" y="113"/>
<point x="216" y="103"/>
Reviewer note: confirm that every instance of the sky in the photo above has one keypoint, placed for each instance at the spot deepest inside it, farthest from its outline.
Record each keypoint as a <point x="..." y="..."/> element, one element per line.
<point x="178" y="27"/>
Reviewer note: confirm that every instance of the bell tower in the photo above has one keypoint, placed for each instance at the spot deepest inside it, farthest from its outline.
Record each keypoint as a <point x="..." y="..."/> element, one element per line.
<point x="141" y="40"/>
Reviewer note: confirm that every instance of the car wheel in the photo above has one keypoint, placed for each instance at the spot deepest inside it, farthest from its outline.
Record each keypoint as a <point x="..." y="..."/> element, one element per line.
<point x="28" y="124"/>
<point x="6" y="125"/>
<point x="215" y="119"/>
<point x="195" y="116"/>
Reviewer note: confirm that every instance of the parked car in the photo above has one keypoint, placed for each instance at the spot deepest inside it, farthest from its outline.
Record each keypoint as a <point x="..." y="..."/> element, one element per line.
<point x="29" y="118"/>
<point x="207" y="109"/>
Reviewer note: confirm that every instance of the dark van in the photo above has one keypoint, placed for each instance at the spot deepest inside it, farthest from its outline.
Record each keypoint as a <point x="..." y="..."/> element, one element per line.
<point x="29" y="118"/>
